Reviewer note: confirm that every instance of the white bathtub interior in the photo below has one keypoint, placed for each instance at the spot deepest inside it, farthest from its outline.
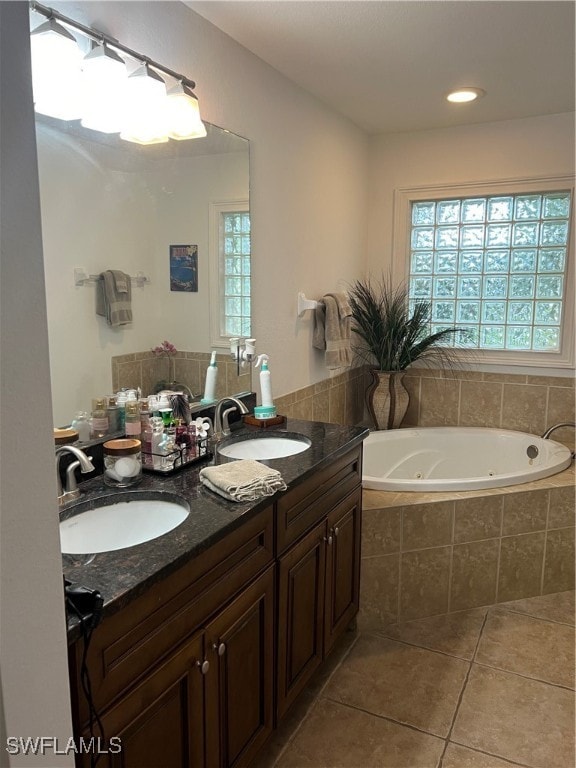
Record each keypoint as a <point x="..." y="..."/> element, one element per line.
<point x="458" y="458"/>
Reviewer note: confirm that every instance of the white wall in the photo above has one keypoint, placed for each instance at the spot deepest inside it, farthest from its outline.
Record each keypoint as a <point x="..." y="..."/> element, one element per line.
<point x="33" y="665"/>
<point x="308" y="201"/>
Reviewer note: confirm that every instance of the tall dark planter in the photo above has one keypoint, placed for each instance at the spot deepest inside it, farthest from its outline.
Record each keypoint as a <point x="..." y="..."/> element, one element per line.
<point x="387" y="399"/>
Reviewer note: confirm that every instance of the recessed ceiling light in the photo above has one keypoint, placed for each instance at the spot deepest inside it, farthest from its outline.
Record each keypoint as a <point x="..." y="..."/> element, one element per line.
<point x="462" y="95"/>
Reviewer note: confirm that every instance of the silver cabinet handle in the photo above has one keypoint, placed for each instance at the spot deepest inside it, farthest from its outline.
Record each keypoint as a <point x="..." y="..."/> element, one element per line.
<point x="328" y="540"/>
<point x="336" y="531"/>
<point x="220" y="648"/>
<point x="204" y="666"/>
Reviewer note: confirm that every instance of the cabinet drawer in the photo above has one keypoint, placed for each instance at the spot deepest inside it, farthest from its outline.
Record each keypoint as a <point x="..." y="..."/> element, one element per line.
<point x="129" y="643"/>
<point x="303" y="506"/>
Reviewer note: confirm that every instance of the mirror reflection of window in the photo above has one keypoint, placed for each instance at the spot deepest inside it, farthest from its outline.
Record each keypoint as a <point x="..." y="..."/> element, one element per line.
<point x="230" y="256"/>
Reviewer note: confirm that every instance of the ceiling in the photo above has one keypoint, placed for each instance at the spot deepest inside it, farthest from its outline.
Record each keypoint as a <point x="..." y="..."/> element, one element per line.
<point x="387" y="64"/>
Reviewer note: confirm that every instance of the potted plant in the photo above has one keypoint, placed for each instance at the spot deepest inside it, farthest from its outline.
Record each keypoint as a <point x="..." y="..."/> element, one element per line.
<point x="394" y="334"/>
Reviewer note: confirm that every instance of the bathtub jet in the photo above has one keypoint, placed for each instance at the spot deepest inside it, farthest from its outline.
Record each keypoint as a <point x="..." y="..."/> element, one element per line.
<point x="458" y="459"/>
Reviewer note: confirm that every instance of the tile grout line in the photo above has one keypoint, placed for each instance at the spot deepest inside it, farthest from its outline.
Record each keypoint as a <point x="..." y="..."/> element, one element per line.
<point x="543" y="571"/>
<point x="497" y="586"/>
<point x="451" y="561"/>
<point x="504" y="607"/>
<point x="400" y="556"/>
<point x="524" y="677"/>
<point x="461" y="695"/>
<point x="381" y="634"/>
<point x="387" y="718"/>
<point x="489" y="754"/>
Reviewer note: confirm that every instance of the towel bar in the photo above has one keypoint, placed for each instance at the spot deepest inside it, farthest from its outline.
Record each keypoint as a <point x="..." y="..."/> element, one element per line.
<point x="305" y="304"/>
<point x="81" y="278"/>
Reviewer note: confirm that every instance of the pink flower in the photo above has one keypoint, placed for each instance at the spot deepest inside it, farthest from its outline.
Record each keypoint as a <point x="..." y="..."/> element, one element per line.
<point x="166" y="348"/>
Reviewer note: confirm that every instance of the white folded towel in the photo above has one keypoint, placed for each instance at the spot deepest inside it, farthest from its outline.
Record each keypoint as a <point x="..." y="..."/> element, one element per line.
<point x="244" y="480"/>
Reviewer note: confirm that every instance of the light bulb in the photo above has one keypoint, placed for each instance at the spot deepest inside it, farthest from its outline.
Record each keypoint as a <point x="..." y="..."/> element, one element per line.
<point x="56" y="71"/>
<point x="183" y="114"/>
<point x="104" y="78"/>
<point x="145" y="121"/>
<point x="464" y="95"/>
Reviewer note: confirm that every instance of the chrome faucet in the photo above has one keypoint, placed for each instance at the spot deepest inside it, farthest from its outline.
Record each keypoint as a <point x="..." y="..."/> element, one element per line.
<point x="549" y="431"/>
<point x="221" y="425"/>
<point x="72" y="491"/>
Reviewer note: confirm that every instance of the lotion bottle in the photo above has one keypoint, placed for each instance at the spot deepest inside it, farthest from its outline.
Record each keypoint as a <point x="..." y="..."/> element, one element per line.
<point x="211" y="378"/>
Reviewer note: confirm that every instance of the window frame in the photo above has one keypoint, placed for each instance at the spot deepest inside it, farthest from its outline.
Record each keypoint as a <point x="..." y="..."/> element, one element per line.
<point x="216" y="208"/>
<point x="401" y="238"/>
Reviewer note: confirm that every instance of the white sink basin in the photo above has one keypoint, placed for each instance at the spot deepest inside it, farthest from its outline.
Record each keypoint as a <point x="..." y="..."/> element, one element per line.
<point x="266" y="446"/>
<point x="120" y="525"/>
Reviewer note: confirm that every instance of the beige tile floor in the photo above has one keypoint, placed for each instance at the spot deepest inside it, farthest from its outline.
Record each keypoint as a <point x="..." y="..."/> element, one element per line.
<point x="487" y="688"/>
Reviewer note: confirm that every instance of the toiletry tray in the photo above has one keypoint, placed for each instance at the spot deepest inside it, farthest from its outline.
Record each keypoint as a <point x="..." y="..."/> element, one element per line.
<point x="168" y="464"/>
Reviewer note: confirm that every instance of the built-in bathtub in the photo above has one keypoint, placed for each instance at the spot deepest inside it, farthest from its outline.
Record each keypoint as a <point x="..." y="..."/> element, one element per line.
<point x="458" y="459"/>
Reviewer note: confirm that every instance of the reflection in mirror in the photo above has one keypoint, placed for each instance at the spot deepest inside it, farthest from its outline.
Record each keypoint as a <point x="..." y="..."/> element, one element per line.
<point x="108" y="204"/>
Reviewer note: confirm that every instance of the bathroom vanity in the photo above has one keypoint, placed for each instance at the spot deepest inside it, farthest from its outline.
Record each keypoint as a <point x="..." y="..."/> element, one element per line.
<point x="211" y="631"/>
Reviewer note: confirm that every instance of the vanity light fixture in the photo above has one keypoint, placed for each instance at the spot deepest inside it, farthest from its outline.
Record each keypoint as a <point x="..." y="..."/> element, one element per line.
<point x="97" y="89"/>
<point x="464" y="95"/>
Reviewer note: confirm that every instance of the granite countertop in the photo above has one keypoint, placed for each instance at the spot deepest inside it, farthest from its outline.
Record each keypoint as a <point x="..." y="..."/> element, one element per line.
<point x="123" y="575"/>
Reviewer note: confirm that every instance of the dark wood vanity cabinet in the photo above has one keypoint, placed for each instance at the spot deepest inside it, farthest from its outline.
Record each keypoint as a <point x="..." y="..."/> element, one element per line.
<point x="318" y="528"/>
<point x="196" y="671"/>
<point x="184" y="675"/>
<point x="318" y="592"/>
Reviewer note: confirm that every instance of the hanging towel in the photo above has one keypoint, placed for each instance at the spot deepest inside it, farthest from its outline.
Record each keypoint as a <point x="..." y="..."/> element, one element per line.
<point x="113" y="297"/>
<point x="244" y="480"/>
<point x="332" y="330"/>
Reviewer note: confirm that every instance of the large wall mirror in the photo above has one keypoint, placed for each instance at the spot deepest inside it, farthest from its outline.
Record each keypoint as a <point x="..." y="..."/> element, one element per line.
<point x="110" y="204"/>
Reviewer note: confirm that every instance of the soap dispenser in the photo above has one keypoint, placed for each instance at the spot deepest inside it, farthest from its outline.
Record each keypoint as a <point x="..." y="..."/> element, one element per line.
<point x="267" y="409"/>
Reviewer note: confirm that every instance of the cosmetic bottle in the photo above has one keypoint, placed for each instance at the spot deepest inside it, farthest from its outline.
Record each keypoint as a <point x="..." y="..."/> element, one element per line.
<point x="81" y="424"/>
<point x="99" y="417"/>
<point x="146" y="439"/>
<point x="133" y="426"/>
<point x="157" y="427"/>
<point x="121" y="399"/>
<point x="113" y="415"/>
<point x="211" y="378"/>
<point x="267" y="409"/>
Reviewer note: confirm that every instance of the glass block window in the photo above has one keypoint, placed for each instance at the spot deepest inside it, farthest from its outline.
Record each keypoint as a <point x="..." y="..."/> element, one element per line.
<point x="235" y="273"/>
<point x="495" y="266"/>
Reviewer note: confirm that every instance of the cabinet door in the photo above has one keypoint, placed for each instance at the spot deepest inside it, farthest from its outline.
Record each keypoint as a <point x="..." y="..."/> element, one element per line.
<point x="300" y="614"/>
<point x="160" y="722"/>
<point x="342" y="567"/>
<point x="239" y="684"/>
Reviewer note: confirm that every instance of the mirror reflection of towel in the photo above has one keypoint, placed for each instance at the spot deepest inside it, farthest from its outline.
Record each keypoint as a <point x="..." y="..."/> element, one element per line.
<point x="114" y="297"/>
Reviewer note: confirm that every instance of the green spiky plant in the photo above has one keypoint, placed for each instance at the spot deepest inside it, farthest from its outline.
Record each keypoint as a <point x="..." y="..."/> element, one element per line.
<point x="394" y="335"/>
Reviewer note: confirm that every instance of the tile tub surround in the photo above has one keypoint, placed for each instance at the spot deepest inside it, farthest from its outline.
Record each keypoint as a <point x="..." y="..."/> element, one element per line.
<point x="337" y="400"/>
<point x="476" y="399"/>
<point x="444" y="398"/>
<point x="436" y="553"/>
<point x="484" y="688"/>
<point x="145" y="369"/>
